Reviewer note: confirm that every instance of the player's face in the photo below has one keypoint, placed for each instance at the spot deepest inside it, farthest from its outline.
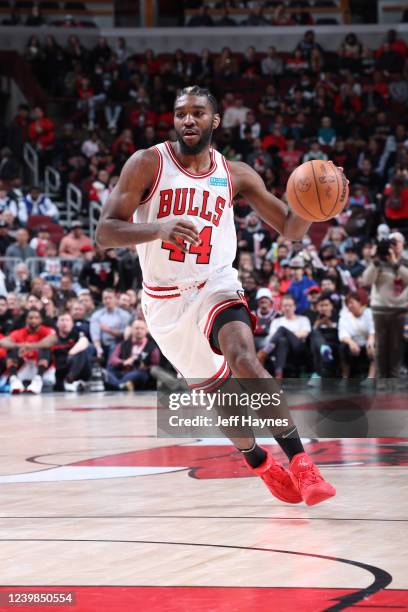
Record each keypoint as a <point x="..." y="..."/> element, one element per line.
<point x="194" y="122"/>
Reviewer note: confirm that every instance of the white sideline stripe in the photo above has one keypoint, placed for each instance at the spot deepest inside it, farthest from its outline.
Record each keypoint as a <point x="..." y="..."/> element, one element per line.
<point x="67" y="473"/>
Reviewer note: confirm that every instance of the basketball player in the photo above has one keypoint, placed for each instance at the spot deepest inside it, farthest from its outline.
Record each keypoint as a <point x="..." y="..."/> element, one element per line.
<point x="174" y="201"/>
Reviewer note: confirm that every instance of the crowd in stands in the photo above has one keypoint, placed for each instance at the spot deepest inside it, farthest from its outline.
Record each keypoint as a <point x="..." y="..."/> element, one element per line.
<point x="319" y="301"/>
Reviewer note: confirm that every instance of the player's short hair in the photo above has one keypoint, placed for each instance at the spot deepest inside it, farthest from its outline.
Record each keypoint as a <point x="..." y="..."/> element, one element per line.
<point x="196" y="90"/>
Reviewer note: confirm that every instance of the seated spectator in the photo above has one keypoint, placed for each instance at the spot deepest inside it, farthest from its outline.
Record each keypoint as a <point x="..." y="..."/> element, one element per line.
<point x="36" y="203"/>
<point x="202" y="19"/>
<point x="252" y="124"/>
<point x="5" y="239"/>
<point x="351" y="262"/>
<point x="100" y="272"/>
<point x="314" y="152"/>
<point x="299" y="285"/>
<point x="72" y="243"/>
<point x="41" y="241"/>
<point x="129" y="364"/>
<point x="20" y="249"/>
<point x="350" y="52"/>
<point x="235" y="115"/>
<point x="255" y="239"/>
<point x="290" y="156"/>
<point x="81" y="323"/>
<point x="71" y="357"/>
<point x="287" y="337"/>
<point x="29" y="346"/>
<point x="326" y="134"/>
<point x="265" y="314"/>
<point x="259" y="159"/>
<point x="107" y="325"/>
<point x="225" y="21"/>
<point x="85" y="298"/>
<point x="297" y="62"/>
<point x="250" y="66"/>
<point x="324" y="340"/>
<point x="6" y="316"/>
<point x="226" y="67"/>
<point x="256" y="17"/>
<point x="19" y="281"/>
<point x="272" y="64"/>
<point x="356" y="335"/>
<point x="35" y="18"/>
<point x="91" y="146"/>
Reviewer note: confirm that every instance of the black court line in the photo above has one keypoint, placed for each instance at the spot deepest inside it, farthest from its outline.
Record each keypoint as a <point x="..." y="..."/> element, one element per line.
<point x="381" y="578"/>
<point x="186" y="517"/>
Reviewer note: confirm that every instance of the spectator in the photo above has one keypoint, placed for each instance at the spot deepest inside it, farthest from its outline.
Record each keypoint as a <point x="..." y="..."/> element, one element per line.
<point x="351" y="262"/>
<point x="20" y="281"/>
<point x="20" y="249"/>
<point x="5" y="239"/>
<point x="265" y="314"/>
<point x="324" y="340"/>
<point x="226" y="67"/>
<point x="287" y="337"/>
<point x="36" y="203"/>
<point x="250" y="66"/>
<point x="35" y="18"/>
<point x="226" y="21"/>
<point x="71" y="357"/>
<point x="100" y="272"/>
<point x="388" y="279"/>
<point x="202" y="18"/>
<point x="350" y="52"/>
<point x="73" y="242"/>
<point x="41" y="130"/>
<point x="356" y="335"/>
<point x="129" y="364"/>
<point x="29" y="346"/>
<point x="6" y="317"/>
<point x="108" y="325"/>
<point x="236" y="114"/>
<point x="256" y="17"/>
<point x="252" y="124"/>
<point x="314" y="152"/>
<point x="255" y="239"/>
<point x="9" y="165"/>
<point x="272" y="64"/>
<point x="91" y="145"/>
<point x="326" y="133"/>
<point x="259" y="159"/>
<point x="81" y="323"/>
<point x="299" y="285"/>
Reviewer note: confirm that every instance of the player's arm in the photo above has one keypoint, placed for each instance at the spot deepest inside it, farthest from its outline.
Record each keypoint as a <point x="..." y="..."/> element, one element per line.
<point x="270" y="209"/>
<point x="116" y="227"/>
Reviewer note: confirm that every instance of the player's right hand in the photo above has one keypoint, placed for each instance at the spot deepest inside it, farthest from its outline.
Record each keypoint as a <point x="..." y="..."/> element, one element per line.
<point x="178" y="232"/>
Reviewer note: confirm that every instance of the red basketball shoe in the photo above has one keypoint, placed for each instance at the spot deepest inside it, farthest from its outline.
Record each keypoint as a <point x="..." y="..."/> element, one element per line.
<point x="309" y="481"/>
<point x="277" y="479"/>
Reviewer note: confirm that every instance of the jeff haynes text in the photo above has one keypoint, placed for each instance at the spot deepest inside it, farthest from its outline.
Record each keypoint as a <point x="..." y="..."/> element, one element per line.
<point x="232" y="421"/>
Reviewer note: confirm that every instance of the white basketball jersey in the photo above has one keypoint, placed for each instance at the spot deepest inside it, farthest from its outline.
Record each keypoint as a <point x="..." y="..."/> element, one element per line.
<point x="204" y="199"/>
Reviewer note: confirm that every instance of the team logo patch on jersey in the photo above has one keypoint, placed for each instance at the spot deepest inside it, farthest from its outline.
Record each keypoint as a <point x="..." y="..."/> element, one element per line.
<point x="218" y="181"/>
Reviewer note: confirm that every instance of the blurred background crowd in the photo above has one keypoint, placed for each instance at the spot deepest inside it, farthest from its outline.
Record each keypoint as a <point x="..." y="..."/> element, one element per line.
<point x="332" y="305"/>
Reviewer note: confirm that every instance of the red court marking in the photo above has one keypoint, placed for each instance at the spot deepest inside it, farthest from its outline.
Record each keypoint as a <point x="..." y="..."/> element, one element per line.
<point x="206" y="599"/>
<point x="208" y="462"/>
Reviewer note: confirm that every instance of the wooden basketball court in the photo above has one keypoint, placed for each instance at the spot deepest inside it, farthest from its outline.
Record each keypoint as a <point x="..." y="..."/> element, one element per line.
<point x="93" y="503"/>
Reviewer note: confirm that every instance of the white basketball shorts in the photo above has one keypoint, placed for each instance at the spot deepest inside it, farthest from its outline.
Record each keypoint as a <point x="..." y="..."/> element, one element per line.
<point x="180" y="320"/>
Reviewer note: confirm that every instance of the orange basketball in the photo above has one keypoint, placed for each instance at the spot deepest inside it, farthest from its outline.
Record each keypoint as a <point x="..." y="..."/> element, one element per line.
<point x="317" y="190"/>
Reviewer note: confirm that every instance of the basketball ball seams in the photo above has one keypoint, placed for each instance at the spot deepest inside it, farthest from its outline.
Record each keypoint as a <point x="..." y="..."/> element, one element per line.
<point x="336" y="173"/>
<point x="312" y="206"/>
<point x="311" y="216"/>
<point x="317" y="189"/>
